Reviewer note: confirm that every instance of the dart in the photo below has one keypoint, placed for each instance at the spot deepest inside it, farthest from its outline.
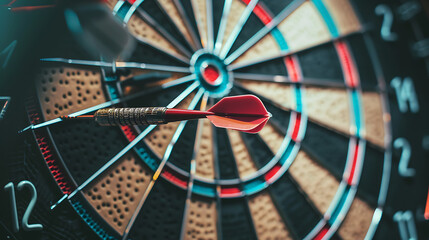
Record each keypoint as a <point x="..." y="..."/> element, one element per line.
<point x="245" y="113"/>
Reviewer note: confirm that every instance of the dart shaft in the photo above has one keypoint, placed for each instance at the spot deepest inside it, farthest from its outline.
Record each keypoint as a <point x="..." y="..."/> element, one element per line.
<point x="131" y="116"/>
<point x="145" y="116"/>
<point x="244" y="113"/>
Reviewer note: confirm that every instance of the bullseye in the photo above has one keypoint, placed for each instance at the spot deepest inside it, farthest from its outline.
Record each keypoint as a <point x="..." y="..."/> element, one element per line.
<point x="210" y="74"/>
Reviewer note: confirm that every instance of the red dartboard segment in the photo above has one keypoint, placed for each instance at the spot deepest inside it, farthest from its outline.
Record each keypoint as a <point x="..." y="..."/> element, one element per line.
<point x="230" y="191"/>
<point x="174" y="177"/>
<point x="296" y="127"/>
<point x="295" y="75"/>
<point x="129" y="133"/>
<point x="48" y="153"/>
<point x="54" y="166"/>
<point x="350" y="72"/>
<point x="322" y="233"/>
<point x="351" y="177"/>
<point x="293" y="69"/>
<point x="270" y="174"/>
<point x="260" y="12"/>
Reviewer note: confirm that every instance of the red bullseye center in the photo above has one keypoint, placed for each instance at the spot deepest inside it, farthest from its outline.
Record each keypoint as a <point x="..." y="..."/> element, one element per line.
<point x="210" y="74"/>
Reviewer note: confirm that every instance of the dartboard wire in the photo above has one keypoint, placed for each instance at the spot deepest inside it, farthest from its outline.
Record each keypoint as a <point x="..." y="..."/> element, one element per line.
<point x="187" y="22"/>
<point x="210" y="25"/>
<point x="387" y="164"/>
<point x="286" y="141"/>
<point x="264" y="99"/>
<point x="164" y="160"/>
<point x="176" y="56"/>
<point x="106" y="104"/>
<point x="119" y="65"/>
<point x="288" y="110"/>
<point x="189" y="42"/>
<point x="176" y="101"/>
<point x="345" y="194"/>
<point x="284" y="132"/>
<point x="310" y="119"/>
<point x="224" y="50"/>
<point x="159" y="28"/>
<point x="292" y="134"/>
<point x="236" y="171"/>
<point x="343" y="185"/>
<point x="117" y="7"/>
<point x="127" y="17"/>
<point x="285" y="53"/>
<point x="286" y="219"/>
<point x="263" y="31"/>
<point x="222" y="26"/>
<point x="199" y="22"/>
<point x="282" y="79"/>
<point x="127" y="148"/>
<point x="356" y="152"/>
<point x="131" y="11"/>
<point x="192" y="168"/>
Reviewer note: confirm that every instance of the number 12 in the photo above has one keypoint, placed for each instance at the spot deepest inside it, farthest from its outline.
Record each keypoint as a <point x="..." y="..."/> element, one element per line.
<point x="10" y="189"/>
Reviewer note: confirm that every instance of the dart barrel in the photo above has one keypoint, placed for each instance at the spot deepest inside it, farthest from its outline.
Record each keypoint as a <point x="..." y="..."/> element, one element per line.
<point x="130" y="116"/>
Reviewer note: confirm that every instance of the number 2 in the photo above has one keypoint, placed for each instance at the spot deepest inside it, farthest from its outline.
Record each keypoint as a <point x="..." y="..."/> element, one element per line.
<point x="404" y="161"/>
<point x="386" y="27"/>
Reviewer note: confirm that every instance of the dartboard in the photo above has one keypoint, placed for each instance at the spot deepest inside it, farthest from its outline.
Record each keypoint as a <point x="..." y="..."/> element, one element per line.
<point x="344" y="154"/>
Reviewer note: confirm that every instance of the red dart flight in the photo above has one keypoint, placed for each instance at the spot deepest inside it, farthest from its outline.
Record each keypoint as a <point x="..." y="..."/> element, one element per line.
<point x="244" y="113"/>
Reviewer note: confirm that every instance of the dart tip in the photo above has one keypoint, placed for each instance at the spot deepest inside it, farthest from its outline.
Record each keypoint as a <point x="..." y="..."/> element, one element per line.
<point x="269" y="114"/>
<point x="59" y="201"/>
<point x="25" y="129"/>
